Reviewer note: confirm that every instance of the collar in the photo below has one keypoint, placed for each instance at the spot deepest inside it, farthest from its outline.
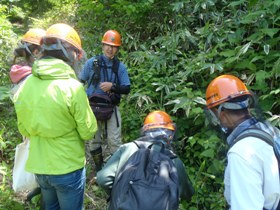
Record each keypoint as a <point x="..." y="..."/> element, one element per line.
<point x="107" y="61"/>
<point x="240" y="128"/>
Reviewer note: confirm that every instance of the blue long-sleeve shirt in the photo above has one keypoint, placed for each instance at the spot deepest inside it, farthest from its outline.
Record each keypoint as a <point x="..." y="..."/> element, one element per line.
<point x="87" y="74"/>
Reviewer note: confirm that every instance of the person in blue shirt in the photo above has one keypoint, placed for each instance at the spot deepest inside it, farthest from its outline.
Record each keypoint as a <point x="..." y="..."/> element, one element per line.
<point x="105" y="75"/>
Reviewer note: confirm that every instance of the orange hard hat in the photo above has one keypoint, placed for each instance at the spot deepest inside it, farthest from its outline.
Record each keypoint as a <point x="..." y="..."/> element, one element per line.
<point x="112" y="38"/>
<point x="223" y="89"/>
<point x="66" y="33"/>
<point x="158" y="119"/>
<point x="34" y="36"/>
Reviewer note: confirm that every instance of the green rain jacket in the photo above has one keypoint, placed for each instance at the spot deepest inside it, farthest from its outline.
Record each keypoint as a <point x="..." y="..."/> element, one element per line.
<point x="54" y="113"/>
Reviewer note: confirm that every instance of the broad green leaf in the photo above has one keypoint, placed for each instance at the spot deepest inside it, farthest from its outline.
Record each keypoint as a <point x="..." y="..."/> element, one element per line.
<point x="270" y="31"/>
<point x="200" y="100"/>
<point x="276" y="67"/>
<point x="256" y="58"/>
<point x="208" y="153"/>
<point x="4" y="92"/>
<point x="246" y="64"/>
<point x="277" y="3"/>
<point x="252" y="17"/>
<point x="275" y="92"/>
<point x="260" y="80"/>
<point x="228" y="53"/>
<point x="237" y="3"/>
<point x="177" y="6"/>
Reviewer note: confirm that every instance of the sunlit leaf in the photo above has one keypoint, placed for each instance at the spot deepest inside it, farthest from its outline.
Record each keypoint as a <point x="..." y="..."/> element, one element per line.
<point x="244" y="49"/>
<point x="266" y="49"/>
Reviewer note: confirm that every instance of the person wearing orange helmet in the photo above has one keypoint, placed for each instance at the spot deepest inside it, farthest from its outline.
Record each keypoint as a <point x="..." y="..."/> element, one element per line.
<point x="107" y="77"/>
<point x="251" y="176"/>
<point x="158" y="129"/>
<point x="28" y="49"/>
<point x="54" y="113"/>
<point x="30" y="45"/>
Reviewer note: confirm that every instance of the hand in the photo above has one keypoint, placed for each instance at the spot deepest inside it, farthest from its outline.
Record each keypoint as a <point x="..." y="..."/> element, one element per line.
<point x="106" y="86"/>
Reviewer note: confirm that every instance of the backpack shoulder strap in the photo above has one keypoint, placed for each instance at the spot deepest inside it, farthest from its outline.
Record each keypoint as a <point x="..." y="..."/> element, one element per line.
<point x="163" y="148"/>
<point x="142" y="145"/>
<point x="260" y="134"/>
<point x="137" y="144"/>
<point x="116" y="64"/>
<point x="95" y="79"/>
<point x="115" y="68"/>
<point x="255" y="132"/>
<point x="171" y="154"/>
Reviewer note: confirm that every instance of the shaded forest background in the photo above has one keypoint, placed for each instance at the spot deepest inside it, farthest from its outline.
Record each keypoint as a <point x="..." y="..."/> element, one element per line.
<point x="172" y="49"/>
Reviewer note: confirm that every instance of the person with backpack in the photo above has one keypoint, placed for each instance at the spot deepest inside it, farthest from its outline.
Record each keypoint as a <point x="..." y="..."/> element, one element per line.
<point x="53" y="111"/>
<point x="107" y="78"/>
<point x="252" y="173"/>
<point x="146" y="173"/>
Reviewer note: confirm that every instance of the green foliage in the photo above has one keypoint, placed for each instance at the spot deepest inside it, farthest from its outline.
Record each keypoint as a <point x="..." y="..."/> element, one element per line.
<point x="59" y="12"/>
<point x="172" y="50"/>
<point x="9" y="136"/>
<point x="7" y="41"/>
<point x="16" y="14"/>
<point x="7" y="197"/>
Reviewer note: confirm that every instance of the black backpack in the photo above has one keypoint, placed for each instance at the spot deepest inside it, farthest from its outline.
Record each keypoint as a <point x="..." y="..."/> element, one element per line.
<point x="147" y="181"/>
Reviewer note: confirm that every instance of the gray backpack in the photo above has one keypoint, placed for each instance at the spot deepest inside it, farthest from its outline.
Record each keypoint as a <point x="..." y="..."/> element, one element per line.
<point x="147" y="181"/>
<point x="260" y="134"/>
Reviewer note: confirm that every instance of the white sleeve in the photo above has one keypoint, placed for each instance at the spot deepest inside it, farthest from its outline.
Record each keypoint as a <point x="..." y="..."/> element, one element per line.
<point x="243" y="183"/>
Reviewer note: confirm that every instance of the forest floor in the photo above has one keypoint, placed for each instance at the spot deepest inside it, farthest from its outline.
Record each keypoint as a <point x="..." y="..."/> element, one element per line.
<point x="95" y="198"/>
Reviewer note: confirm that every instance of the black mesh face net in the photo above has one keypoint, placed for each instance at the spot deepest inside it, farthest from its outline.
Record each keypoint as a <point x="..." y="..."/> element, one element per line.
<point x="255" y="109"/>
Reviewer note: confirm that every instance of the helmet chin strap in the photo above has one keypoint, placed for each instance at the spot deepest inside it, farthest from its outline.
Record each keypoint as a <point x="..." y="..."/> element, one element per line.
<point x="26" y="47"/>
<point x="57" y="46"/>
<point x="225" y="130"/>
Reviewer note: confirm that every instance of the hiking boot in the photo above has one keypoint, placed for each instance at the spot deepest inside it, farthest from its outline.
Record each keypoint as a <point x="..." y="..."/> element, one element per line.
<point x="97" y="158"/>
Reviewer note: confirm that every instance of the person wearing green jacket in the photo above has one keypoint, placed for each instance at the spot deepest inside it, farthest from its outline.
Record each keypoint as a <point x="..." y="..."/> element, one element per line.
<point x="54" y="113"/>
<point x="158" y="126"/>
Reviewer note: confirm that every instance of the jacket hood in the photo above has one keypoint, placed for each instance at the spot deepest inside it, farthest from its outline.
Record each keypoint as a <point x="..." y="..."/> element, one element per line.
<point x="19" y="72"/>
<point x="50" y="68"/>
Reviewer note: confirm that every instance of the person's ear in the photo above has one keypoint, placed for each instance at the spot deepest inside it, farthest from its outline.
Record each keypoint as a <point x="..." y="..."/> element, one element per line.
<point x="35" y="52"/>
<point x="80" y="55"/>
<point x="223" y="114"/>
<point x="227" y="118"/>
